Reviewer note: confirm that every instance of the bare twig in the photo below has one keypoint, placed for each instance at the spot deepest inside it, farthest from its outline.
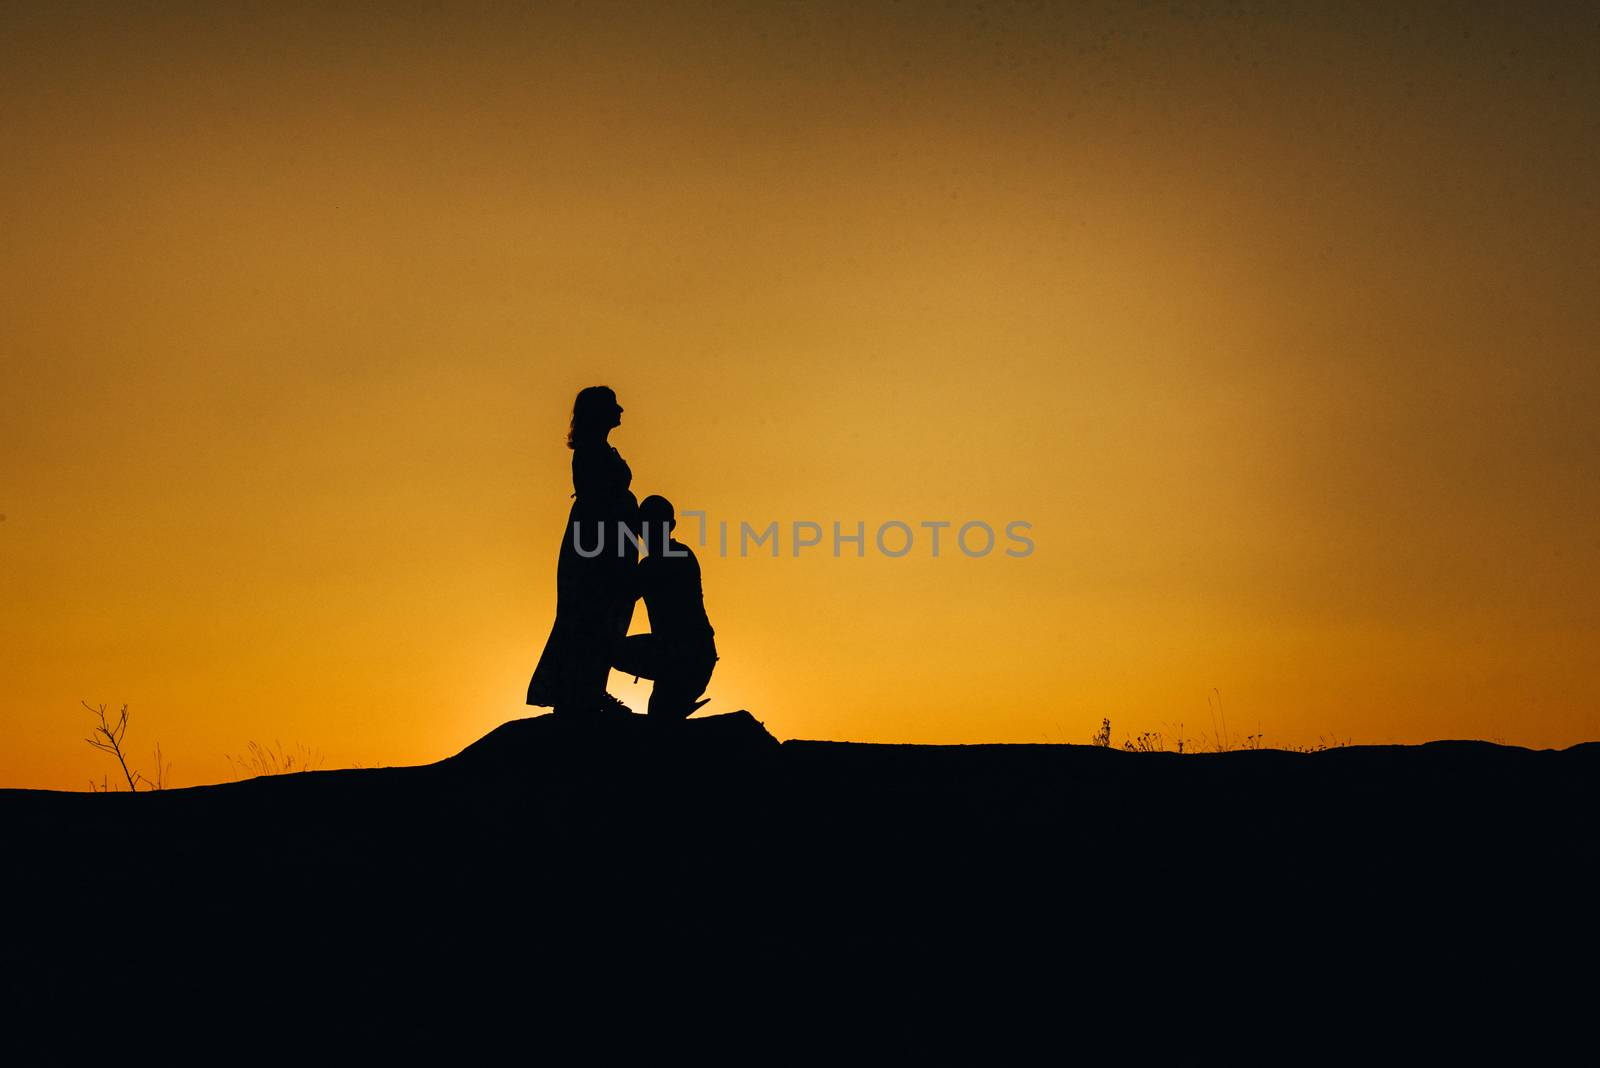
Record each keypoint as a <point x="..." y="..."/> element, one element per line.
<point x="162" y="769"/>
<point x="108" y="739"/>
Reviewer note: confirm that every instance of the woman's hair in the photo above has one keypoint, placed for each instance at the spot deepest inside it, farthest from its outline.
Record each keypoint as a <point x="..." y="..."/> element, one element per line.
<point x="591" y="413"/>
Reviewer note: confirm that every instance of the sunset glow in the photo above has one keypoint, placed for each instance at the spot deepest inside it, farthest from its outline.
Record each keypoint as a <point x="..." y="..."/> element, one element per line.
<point x="1281" y="334"/>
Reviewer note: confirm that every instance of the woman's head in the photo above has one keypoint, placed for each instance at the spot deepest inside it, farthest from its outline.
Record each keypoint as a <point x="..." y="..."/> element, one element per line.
<point x="594" y="412"/>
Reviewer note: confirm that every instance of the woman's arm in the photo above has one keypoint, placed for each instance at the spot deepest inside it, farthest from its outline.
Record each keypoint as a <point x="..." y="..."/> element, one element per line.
<point x="585" y="475"/>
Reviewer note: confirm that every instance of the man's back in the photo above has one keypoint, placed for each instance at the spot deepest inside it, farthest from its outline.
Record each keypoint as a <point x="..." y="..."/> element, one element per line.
<point x="670" y="584"/>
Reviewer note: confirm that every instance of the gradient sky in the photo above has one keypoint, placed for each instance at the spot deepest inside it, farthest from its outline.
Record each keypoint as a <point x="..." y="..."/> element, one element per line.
<point x="1279" y="325"/>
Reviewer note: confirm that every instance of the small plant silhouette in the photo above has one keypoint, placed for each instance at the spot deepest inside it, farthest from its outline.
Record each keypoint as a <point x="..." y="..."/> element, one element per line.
<point x="1102" y="737"/>
<point x="1223" y="745"/>
<point x="274" y="759"/>
<point x="1324" y="742"/>
<point x="1148" y="742"/>
<point x="107" y="737"/>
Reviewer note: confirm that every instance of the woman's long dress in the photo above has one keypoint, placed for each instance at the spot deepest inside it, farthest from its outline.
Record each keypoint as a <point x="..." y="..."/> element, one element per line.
<point x="594" y="593"/>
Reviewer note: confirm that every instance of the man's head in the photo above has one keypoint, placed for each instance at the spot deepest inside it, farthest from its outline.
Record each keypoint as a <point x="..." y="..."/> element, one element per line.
<point x="657" y="519"/>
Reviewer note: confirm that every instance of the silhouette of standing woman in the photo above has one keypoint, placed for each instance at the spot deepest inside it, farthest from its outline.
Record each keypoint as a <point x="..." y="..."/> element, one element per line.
<point x="594" y="599"/>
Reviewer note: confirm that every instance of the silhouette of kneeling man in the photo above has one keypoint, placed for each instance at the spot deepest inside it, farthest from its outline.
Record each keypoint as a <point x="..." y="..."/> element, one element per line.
<point x="679" y="652"/>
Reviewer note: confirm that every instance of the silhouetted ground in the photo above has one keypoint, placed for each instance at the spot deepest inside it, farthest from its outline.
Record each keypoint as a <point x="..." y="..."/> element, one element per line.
<point x="711" y="885"/>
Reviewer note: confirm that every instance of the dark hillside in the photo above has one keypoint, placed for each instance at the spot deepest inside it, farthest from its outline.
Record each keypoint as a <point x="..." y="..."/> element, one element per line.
<point x="631" y="866"/>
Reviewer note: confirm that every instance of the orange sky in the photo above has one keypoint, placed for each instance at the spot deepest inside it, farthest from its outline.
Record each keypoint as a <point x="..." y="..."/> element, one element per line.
<point x="1280" y="330"/>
